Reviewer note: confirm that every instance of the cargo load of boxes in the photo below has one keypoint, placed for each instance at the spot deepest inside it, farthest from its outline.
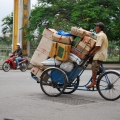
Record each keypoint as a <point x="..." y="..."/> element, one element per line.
<point x="62" y="49"/>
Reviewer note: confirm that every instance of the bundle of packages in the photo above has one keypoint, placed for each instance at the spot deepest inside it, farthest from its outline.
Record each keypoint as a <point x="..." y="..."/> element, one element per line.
<point x="63" y="37"/>
<point x="43" y="49"/>
<point x="84" y="44"/>
<point x="78" y="32"/>
<point x="61" y="49"/>
<point x="82" y="33"/>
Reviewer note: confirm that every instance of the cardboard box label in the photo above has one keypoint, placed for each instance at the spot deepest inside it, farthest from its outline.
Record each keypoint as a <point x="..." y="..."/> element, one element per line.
<point x="76" y="41"/>
<point x="60" y="52"/>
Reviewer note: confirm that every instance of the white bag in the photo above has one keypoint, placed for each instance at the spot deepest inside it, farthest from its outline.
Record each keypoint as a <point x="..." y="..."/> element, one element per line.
<point x="67" y="66"/>
<point x="74" y="58"/>
<point x="51" y="61"/>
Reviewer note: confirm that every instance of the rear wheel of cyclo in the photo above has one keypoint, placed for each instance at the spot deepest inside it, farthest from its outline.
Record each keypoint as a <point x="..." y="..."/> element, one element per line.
<point x="53" y="79"/>
<point x="109" y="85"/>
<point x="71" y="87"/>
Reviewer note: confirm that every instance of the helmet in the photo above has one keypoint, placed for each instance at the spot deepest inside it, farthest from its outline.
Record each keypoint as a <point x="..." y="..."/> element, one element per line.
<point x="18" y="44"/>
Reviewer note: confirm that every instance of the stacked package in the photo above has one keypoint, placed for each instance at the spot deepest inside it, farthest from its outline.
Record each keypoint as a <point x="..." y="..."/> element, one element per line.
<point x="42" y="52"/>
<point x="85" y="43"/>
<point x="59" y="48"/>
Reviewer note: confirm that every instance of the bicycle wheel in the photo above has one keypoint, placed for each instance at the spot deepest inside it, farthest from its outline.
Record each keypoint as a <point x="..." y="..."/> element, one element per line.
<point x="71" y="87"/>
<point x="53" y="79"/>
<point x="109" y="85"/>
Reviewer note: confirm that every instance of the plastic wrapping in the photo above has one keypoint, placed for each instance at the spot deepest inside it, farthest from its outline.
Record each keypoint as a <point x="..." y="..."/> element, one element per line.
<point x="67" y="66"/>
<point x="51" y="62"/>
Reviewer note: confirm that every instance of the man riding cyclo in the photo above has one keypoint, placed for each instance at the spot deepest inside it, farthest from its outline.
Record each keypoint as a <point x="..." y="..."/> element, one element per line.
<point x="99" y="52"/>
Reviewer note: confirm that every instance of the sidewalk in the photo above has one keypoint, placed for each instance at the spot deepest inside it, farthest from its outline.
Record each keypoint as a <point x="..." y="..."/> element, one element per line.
<point x="106" y="65"/>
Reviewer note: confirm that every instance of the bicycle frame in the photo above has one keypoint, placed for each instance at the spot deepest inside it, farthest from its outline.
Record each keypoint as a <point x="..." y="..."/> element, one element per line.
<point x="84" y="87"/>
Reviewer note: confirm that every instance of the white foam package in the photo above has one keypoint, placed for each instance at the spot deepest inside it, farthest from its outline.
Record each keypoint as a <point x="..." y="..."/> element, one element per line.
<point x="51" y="61"/>
<point x="74" y="58"/>
<point x="67" y="66"/>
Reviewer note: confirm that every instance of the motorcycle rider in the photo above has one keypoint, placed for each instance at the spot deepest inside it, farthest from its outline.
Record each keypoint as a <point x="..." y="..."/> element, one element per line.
<point x="18" y="55"/>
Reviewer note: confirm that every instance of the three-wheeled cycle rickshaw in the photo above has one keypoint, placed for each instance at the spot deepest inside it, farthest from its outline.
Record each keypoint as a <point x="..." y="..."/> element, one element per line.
<point x="54" y="81"/>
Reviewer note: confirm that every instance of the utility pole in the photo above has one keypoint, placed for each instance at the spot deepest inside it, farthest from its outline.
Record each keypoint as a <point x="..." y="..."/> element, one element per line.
<point x="21" y="20"/>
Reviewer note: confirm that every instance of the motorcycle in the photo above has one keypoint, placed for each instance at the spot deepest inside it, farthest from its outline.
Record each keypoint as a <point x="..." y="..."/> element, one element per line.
<point x="10" y="63"/>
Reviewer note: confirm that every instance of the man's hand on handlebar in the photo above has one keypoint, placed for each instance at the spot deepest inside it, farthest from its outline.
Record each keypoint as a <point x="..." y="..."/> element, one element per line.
<point x="91" y="53"/>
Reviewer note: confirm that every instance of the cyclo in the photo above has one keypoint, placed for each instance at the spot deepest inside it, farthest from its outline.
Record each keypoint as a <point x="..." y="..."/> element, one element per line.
<point x="54" y="81"/>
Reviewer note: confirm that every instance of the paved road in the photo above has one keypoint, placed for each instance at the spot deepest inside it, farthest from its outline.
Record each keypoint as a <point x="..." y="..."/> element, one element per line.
<point x="107" y="66"/>
<point x="22" y="99"/>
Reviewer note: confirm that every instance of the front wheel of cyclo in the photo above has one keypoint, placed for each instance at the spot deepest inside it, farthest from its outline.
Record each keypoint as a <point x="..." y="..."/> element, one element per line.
<point x="53" y="79"/>
<point x="109" y="85"/>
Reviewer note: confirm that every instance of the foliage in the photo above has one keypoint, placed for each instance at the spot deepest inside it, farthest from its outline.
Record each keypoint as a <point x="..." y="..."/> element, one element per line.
<point x="7" y="24"/>
<point x="6" y="40"/>
<point x="62" y="14"/>
<point x="7" y="29"/>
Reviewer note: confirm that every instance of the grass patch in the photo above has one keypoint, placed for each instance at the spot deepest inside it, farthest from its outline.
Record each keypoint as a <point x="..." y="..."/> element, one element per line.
<point x="113" y="59"/>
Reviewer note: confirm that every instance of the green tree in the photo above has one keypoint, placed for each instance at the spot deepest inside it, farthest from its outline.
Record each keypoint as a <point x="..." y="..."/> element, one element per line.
<point x="6" y="40"/>
<point x="7" y="29"/>
<point x="7" y="24"/>
<point x="62" y="14"/>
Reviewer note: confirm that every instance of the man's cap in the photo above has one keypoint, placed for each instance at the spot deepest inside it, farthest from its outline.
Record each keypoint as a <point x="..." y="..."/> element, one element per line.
<point x="100" y="24"/>
<point x="18" y="44"/>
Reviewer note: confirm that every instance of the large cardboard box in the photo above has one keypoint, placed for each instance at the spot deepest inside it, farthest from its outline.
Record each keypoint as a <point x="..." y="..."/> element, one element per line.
<point x="78" y="32"/>
<point x="62" y="39"/>
<point x="39" y="56"/>
<point x="82" y="33"/>
<point x="89" y="41"/>
<point x="83" y="48"/>
<point x="45" y="44"/>
<point x="77" y="52"/>
<point x="42" y="51"/>
<point x="37" y="72"/>
<point x="91" y="34"/>
<point x="60" y="51"/>
<point x="48" y="32"/>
